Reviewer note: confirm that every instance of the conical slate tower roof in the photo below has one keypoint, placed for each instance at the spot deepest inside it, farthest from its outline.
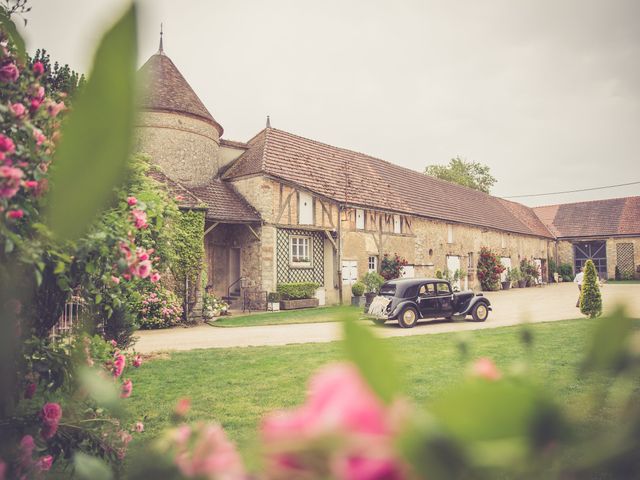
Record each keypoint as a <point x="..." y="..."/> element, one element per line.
<point x="165" y="89"/>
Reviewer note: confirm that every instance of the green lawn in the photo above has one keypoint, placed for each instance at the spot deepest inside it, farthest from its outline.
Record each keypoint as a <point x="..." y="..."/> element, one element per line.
<point x="238" y="386"/>
<point x="623" y="282"/>
<point x="307" y="315"/>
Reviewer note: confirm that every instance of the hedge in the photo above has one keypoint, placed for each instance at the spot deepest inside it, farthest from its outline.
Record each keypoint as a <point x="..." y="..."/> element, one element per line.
<point x="297" y="291"/>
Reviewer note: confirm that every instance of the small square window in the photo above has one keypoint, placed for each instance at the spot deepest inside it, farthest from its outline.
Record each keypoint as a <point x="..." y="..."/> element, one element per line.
<point x="373" y="263"/>
<point x="300" y="251"/>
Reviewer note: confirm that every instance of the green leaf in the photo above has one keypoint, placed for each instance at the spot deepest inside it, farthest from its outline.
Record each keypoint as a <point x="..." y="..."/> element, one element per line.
<point x="103" y="391"/>
<point x="373" y="358"/>
<point x="91" y="468"/>
<point x="60" y="266"/>
<point x="98" y="299"/>
<point x="8" y="245"/>
<point x="608" y="349"/>
<point x="9" y="27"/>
<point x="97" y="138"/>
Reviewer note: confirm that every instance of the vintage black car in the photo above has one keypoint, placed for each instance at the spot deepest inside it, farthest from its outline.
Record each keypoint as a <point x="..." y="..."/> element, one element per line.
<point x="410" y="299"/>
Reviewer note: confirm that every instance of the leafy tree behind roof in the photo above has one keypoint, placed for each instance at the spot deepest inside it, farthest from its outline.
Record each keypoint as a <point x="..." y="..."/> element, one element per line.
<point x="469" y="174"/>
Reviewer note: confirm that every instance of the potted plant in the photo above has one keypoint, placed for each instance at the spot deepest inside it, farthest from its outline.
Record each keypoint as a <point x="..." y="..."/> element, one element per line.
<point x="357" y="289"/>
<point x="516" y="276"/>
<point x="372" y="281"/>
<point x="506" y="285"/>
<point x="297" y="295"/>
<point x="273" y="301"/>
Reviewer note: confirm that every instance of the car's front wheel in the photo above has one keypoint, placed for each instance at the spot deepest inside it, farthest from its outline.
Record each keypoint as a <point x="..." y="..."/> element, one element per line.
<point x="480" y="312"/>
<point x="408" y="317"/>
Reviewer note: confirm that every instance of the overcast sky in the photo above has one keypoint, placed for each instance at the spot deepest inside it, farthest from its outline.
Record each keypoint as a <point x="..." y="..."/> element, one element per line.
<point x="545" y="92"/>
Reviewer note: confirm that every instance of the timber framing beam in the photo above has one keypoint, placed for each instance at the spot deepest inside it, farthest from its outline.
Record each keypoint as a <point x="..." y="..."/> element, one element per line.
<point x="333" y="242"/>
<point x="255" y="234"/>
<point x="211" y="227"/>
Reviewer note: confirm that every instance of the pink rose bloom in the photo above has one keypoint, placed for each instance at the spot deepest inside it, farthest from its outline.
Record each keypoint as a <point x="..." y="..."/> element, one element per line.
<point x="144" y="269"/>
<point x="142" y="254"/>
<point x="6" y="145"/>
<point x="27" y="445"/>
<point x="140" y="218"/>
<point x="15" y="214"/>
<point x="115" y="280"/>
<point x="31" y="184"/>
<point x="10" y="178"/>
<point x="126" y="276"/>
<point x="40" y="138"/>
<point x="30" y="390"/>
<point x="18" y="110"/>
<point x="113" y="343"/>
<point x="53" y="108"/>
<point x="48" y="431"/>
<point x="38" y="69"/>
<point x="127" y="388"/>
<point x="38" y="92"/>
<point x="125" y="437"/>
<point x="155" y="277"/>
<point x="139" y="427"/>
<point x="9" y="73"/>
<point x="212" y="456"/>
<point x="51" y="413"/>
<point x="368" y="468"/>
<point x="182" y="407"/>
<point x="118" y="365"/>
<point x="131" y="201"/>
<point x="44" y="463"/>
<point x="34" y="105"/>
<point x="124" y="249"/>
<point x="137" y="361"/>
<point x="485" y="368"/>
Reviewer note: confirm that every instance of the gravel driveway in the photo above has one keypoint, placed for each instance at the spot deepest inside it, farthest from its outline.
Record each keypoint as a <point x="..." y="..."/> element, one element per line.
<point x="510" y="307"/>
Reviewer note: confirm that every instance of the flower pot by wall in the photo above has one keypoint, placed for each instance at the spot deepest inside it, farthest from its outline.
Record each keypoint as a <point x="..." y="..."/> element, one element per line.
<point x="358" y="301"/>
<point x="522" y="283"/>
<point x="273" y="306"/>
<point x="506" y="285"/>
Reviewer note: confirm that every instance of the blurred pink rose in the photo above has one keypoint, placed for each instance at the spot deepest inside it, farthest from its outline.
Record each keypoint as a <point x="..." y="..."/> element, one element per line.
<point x="485" y="368"/>
<point x="30" y="390"/>
<point x="53" y="108"/>
<point x="44" y="463"/>
<point x="9" y="73"/>
<point x="155" y="277"/>
<point x="131" y="201"/>
<point x="38" y="69"/>
<point x="6" y="145"/>
<point x="113" y="343"/>
<point x="139" y="427"/>
<point x="137" y="361"/>
<point x="31" y="184"/>
<point x="40" y="138"/>
<point x="182" y="407"/>
<point x="10" y="178"/>
<point x="127" y="388"/>
<point x="139" y="218"/>
<point x="144" y="269"/>
<point x="18" y="110"/>
<point x="118" y="365"/>
<point x="115" y="280"/>
<point x="51" y="413"/>
<point x="48" y="431"/>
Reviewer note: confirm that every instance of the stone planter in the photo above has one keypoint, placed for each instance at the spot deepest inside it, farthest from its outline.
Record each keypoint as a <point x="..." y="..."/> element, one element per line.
<point x="302" y="303"/>
<point x="273" y="306"/>
<point x="358" y="301"/>
<point x="522" y="283"/>
<point x="506" y="285"/>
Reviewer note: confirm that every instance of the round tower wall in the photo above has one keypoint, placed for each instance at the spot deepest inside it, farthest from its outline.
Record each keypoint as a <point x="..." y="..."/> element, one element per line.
<point x="186" y="148"/>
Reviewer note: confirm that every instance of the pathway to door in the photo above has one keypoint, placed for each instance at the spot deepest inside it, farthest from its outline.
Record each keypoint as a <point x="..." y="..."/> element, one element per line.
<point x="510" y="307"/>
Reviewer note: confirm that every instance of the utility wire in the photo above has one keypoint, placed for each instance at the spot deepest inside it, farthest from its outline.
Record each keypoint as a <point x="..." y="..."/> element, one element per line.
<point x="573" y="191"/>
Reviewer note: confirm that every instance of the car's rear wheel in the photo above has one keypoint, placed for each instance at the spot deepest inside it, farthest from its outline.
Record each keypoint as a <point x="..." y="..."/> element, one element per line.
<point x="379" y="321"/>
<point x="408" y="317"/>
<point x="480" y="312"/>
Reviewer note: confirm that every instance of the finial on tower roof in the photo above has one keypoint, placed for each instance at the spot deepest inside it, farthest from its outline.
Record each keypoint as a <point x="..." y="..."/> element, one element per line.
<point x="160" y="50"/>
<point x="268" y="122"/>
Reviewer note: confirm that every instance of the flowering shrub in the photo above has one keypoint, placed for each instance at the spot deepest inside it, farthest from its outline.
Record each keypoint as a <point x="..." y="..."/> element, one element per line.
<point x="157" y="307"/>
<point x="212" y="306"/>
<point x="529" y="270"/>
<point x="391" y="266"/>
<point x="489" y="270"/>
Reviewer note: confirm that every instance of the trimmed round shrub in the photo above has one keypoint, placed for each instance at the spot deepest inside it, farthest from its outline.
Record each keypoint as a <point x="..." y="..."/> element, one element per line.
<point x="358" y="289"/>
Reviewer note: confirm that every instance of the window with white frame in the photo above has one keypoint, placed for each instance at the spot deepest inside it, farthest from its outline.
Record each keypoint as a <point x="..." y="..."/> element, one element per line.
<point x="305" y="209"/>
<point x="449" y="233"/>
<point x="373" y="263"/>
<point x="349" y="272"/>
<point x="300" y="251"/>
<point x="397" y="224"/>
<point x="359" y="219"/>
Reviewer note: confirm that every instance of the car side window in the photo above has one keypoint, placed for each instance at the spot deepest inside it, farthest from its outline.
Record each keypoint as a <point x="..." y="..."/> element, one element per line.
<point x="443" y="288"/>
<point x="427" y="290"/>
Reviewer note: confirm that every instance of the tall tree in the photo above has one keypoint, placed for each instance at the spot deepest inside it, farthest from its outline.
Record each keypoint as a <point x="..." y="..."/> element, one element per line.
<point x="469" y="174"/>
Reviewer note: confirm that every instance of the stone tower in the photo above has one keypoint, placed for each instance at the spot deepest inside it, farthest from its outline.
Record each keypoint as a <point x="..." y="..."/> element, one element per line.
<point x="174" y="127"/>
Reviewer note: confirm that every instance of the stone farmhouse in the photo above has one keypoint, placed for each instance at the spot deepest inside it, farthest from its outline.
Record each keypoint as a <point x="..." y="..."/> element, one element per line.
<point x="284" y="208"/>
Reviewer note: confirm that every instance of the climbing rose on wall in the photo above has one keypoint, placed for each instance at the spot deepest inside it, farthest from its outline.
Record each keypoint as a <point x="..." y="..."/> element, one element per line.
<point x="489" y="270"/>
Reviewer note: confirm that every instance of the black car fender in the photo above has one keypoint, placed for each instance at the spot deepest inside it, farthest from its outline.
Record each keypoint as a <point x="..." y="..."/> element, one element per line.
<point x="401" y="305"/>
<point x="472" y="303"/>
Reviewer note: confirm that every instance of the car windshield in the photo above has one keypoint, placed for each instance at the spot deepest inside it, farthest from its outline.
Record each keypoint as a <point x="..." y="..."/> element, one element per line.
<point x="388" y="289"/>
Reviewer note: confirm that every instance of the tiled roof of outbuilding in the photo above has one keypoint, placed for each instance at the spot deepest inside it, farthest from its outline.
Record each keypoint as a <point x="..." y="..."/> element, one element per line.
<point x="358" y="179"/>
<point x="615" y="216"/>
<point x="220" y="200"/>
<point x="165" y="89"/>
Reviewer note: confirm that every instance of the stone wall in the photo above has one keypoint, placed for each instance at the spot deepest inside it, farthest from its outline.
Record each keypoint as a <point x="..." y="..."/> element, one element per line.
<point x="612" y="254"/>
<point x="185" y="148"/>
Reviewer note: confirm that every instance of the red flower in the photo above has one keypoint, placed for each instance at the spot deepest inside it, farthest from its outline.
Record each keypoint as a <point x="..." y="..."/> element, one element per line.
<point x="38" y="69"/>
<point x="51" y="414"/>
<point x="127" y="388"/>
<point x="15" y="214"/>
<point x="30" y="390"/>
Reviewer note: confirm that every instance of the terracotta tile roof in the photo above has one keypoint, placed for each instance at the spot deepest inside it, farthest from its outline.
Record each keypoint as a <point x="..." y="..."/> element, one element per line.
<point x="165" y="89"/>
<point x="527" y="216"/>
<point x="220" y="200"/>
<point x="359" y="179"/>
<point x="224" y="204"/>
<point x="616" y="216"/>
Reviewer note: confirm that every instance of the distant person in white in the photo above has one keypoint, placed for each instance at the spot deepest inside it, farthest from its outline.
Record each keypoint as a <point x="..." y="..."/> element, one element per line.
<point x="578" y="280"/>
